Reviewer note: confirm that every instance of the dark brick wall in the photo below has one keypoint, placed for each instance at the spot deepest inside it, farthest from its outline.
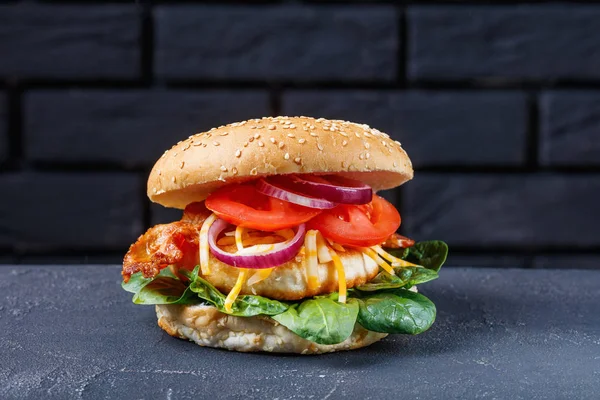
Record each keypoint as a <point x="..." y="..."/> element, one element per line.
<point x="497" y="103"/>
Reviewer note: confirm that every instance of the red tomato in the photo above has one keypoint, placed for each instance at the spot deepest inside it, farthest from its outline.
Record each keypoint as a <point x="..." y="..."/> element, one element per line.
<point x="365" y="225"/>
<point x="243" y="205"/>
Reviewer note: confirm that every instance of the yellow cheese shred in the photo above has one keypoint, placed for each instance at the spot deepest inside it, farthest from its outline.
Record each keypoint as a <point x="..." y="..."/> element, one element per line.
<point x="396" y="262"/>
<point x="260" y="276"/>
<point x="310" y="243"/>
<point x="203" y="247"/>
<point x="378" y="260"/>
<point x="322" y="250"/>
<point x="235" y="291"/>
<point x="239" y="233"/>
<point x="341" y="275"/>
<point x="336" y="246"/>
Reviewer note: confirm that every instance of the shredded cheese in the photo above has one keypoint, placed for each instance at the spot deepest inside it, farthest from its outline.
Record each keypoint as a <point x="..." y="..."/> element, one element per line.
<point x="378" y="260"/>
<point x="235" y="291"/>
<point x="260" y="276"/>
<point x="239" y="232"/>
<point x="286" y="233"/>
<point x="203" y="247"/>
<point x="341" y="275"/>
<point x="336" y="246"/>
<point x="396" y="262"/>
<point x="310" y="243"/>
<point x="322" y="250"/>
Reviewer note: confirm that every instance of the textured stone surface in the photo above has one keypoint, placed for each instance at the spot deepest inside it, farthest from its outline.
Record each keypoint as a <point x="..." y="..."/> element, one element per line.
<point x="499" y="334"/>
<point x="66" y="211"/>
<point x="127" y="127"/>
<point x="511" y="42"/>
<point x="436" y="128"/>
<point x="570" y="128"/>
<point x="503" y="210"/>
<point x="578" y="261"/>
<point x="3" y="127"/>
<point x="462" y="259"/>
<point x="273" y="43"/>
<point x="69" y="41"/>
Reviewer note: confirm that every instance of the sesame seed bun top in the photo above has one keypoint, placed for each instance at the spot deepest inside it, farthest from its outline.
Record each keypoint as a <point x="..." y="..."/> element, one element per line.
<point x="242" y="151"/>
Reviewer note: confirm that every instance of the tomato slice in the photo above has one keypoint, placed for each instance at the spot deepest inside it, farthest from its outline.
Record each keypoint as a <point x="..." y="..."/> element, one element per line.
<point x="365" y="225"/>
<point x="243" y="205"/>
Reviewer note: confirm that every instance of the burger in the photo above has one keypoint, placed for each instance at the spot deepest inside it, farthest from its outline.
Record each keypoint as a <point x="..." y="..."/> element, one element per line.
<point x="283" y="244"/>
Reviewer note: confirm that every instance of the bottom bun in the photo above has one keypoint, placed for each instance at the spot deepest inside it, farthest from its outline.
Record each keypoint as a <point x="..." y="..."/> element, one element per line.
<point x="207" y="326"/>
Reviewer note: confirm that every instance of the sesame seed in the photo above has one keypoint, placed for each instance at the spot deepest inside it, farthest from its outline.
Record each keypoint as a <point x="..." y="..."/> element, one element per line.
<point x="286" y="156"/>
<point x="175" y="153"/>
<point x="367" y="156"/>
<point x="245" y="144"/>
<point x="273" y="140"/>
<point x="260" y="144"/>
<point x="203" y="144"/>
<point x="301" y="141"/>
<point x="197" y="144"/>
<point x="292" y="126"/>
<point x="398" y="143"/>
<point x="357" y="135"/>
<point x="223" y="133"/>
<point x="287" y="122"/>
<point x="312" y="127"/>
<point x="366" y="134"/>
<point x="291" y="135"/>
<point x="155" y="190"/>
<point x="305" y="129"/>
<point x="181" y="165"/>
<point x="159" y="172"/>
<point x="223" y="168"/>
<point x="251" y="139"/>
<point x="298" y="160"/>
<point x="234" y="170"/>
<point x="343" y="164"/>
<point x="272" y="127"/>
<point x="361" y="156"/>
<point x="281" y="144"/>
<point x="187" y="146"/>
<point x="253" y="171"/>
<point x="332" y="129"/>
<point x="173" y="179"/>
<point x="384" y="143"/>
<point x="286" y="127"/>
<point x="319" y="146"/>
<point x="313" y="134"/>
<point x="253" y="127"/>
<point x="343" y="134"/>
<point x="238" y="153"/>
<point x="256" y="135"/>
<point x="216" y="143"/>
<point x="344" y="143"/>
<point x="394" y="164"/>
<point x="367" y="145"/>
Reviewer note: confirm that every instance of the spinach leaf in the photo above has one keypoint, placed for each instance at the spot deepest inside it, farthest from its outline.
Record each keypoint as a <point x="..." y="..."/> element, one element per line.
<point x="431" y="254"/>
<point x="136" y="283"/>
<point x="395" y="311"/>
<point x="321" y="319"/>
<point x="244" y="305"/>
<point x="405" y="277"/>
<point x="163" y="290"/>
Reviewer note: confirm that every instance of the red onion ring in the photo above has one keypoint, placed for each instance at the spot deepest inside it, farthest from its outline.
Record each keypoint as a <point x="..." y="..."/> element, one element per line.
<point x="255" y="261"/>
<point x="284" y="194"/>
<point x="337" y="189"/>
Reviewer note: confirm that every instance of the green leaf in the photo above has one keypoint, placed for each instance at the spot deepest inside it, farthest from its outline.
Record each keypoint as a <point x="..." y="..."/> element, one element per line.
<point x="321" y="320"/>
<point x="136" y="283"/>
<point x="244" y="305"/>
<point x="431" y="254"/>
<point x="405" y="277"/>
<point x="396" y="311"/>
<point x="163" y="290"/>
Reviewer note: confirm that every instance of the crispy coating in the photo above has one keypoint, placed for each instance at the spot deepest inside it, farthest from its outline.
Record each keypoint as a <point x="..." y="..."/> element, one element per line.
<point x="396" y="241"/>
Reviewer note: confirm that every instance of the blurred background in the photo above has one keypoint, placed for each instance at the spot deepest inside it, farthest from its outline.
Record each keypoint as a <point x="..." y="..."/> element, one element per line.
<point x="497" y="103"/>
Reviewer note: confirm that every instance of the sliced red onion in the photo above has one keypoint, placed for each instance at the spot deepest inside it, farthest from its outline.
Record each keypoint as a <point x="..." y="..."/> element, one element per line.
<point x="282" y="253"/>
<point x="284" y="194"/>
<point x="329" y="187"/>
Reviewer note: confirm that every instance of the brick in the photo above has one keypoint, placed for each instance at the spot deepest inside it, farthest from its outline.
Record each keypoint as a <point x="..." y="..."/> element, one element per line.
<point x="127" y="127"/>
<point x="45" y="211"/>
<point x="458" y="259"/>
<point x="570" y="122"/>
<point x="163" y="215"/>
<point x="436" y="128"/>
<point x="277" y="43"/>
<point x="519" y="211"/>
<point x="69" y="41"/>
<point x="504" y="42"/>
<point x="570" y="261"/>
<point x="4" y="153"/>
